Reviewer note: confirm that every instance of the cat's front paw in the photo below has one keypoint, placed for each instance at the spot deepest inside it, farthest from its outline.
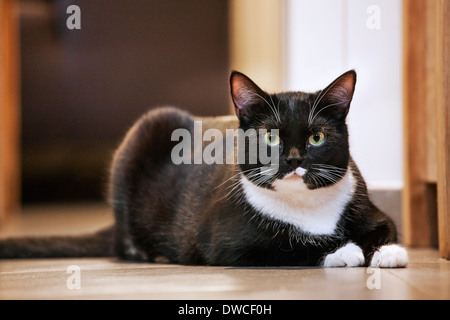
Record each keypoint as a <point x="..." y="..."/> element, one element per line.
<point x="349" y="255"/>
<point x="390" y="256"/>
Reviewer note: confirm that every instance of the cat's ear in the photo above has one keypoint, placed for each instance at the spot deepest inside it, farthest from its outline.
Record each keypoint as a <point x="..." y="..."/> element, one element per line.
<point x="338" y="95"/>
<point x="247" y="96"/>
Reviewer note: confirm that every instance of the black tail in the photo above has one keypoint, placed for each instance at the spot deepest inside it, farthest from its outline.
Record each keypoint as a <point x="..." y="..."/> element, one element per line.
<point x="99" y="244"/>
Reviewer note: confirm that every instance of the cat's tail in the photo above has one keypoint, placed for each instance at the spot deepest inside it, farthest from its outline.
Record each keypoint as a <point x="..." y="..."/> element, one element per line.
<point x="99" y="244"/>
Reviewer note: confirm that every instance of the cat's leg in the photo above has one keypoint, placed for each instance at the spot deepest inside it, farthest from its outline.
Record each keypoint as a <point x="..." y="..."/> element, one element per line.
<point x="381" y="247"/>
<point x="349" y="255"/>
<point x="125" y="248"/>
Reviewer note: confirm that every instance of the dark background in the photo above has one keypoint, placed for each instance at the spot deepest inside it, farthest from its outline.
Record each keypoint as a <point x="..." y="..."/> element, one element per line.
<point x="82" y="89"/>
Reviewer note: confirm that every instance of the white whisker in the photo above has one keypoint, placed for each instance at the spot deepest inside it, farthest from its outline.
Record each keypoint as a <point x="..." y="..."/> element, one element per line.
<point x="271" y="108"/>
<point x="330" y="105"/>
<point x="317" y="101"/>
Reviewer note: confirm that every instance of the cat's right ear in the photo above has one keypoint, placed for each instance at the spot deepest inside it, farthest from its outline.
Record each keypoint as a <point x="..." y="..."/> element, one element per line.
<point x="247" y="96"/>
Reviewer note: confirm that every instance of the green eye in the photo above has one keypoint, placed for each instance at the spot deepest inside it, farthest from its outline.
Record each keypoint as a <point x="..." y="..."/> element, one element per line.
<point x="317" y="139"/>
<point x="271" y="139"/>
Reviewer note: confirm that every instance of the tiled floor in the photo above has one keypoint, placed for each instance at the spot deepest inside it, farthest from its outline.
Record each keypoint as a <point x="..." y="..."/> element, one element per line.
<point x="426" y="277"/>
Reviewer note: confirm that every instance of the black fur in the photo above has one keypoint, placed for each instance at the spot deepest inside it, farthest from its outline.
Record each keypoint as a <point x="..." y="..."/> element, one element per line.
<point x="94" y="245"/>
<point x="197" y="213"/>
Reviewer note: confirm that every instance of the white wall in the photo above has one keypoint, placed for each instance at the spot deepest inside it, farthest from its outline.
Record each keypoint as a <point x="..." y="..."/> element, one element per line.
<point x="328" y="37"/>
<point x="257" y="41"/>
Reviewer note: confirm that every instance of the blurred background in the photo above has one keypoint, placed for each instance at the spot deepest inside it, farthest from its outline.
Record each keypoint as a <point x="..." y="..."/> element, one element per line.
<point x="82" y="89"/>
<point x="71" y="94"/>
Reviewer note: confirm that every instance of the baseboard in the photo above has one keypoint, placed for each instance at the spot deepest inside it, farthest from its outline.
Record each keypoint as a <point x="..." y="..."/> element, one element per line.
<point x="390" y="202"/>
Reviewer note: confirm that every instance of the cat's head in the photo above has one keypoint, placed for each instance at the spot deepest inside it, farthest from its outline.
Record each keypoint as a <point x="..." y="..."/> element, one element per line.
<point x="312" y="136"/>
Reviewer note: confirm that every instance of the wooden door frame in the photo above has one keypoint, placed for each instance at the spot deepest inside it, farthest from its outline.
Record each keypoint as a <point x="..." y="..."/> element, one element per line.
<point x="443" y="124"/>
<point x="9" y="109"/>
<point x="426" y="195"/>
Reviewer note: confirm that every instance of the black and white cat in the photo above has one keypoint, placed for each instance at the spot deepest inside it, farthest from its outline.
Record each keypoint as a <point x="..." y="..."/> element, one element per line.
<point x="313" y="211"/>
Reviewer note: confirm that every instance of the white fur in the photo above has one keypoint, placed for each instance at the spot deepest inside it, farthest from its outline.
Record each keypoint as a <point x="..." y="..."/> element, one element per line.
<point x="349" y="255"/>
<point x="390" y="256"/>
<point x="313" y="211"/>
<point x="300" y="171"/>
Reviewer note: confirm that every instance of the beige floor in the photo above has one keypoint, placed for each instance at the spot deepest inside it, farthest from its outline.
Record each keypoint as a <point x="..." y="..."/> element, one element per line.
<point x="427" y="276"/>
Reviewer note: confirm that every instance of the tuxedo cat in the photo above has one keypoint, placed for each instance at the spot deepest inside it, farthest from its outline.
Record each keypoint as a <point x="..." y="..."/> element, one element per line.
<point x="313" y="210"/>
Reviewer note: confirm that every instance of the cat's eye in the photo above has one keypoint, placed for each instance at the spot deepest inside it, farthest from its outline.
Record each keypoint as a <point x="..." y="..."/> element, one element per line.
<point x="317" y="139"/>
<point x="271" y="139"/>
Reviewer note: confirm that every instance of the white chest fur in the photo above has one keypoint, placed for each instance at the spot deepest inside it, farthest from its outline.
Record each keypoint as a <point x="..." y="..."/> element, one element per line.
<point x="316" y="211"/>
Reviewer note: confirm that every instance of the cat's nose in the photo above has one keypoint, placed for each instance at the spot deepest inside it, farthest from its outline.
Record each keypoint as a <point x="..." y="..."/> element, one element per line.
<point x="294" y="162"/>
<point x="294" y="159"/>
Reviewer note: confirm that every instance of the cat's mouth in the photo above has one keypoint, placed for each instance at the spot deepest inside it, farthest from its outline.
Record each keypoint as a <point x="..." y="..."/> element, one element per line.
<point x="298" y="173"/>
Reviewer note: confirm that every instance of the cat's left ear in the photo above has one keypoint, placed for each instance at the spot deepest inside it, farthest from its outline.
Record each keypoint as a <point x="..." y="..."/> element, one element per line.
<point x="247" y="96"/>
<point x="338" y="95"/>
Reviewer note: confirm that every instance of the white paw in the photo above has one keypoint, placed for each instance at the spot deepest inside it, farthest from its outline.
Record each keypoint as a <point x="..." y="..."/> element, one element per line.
<point x="349" y="255"/>
<point x="390" y="256"/>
